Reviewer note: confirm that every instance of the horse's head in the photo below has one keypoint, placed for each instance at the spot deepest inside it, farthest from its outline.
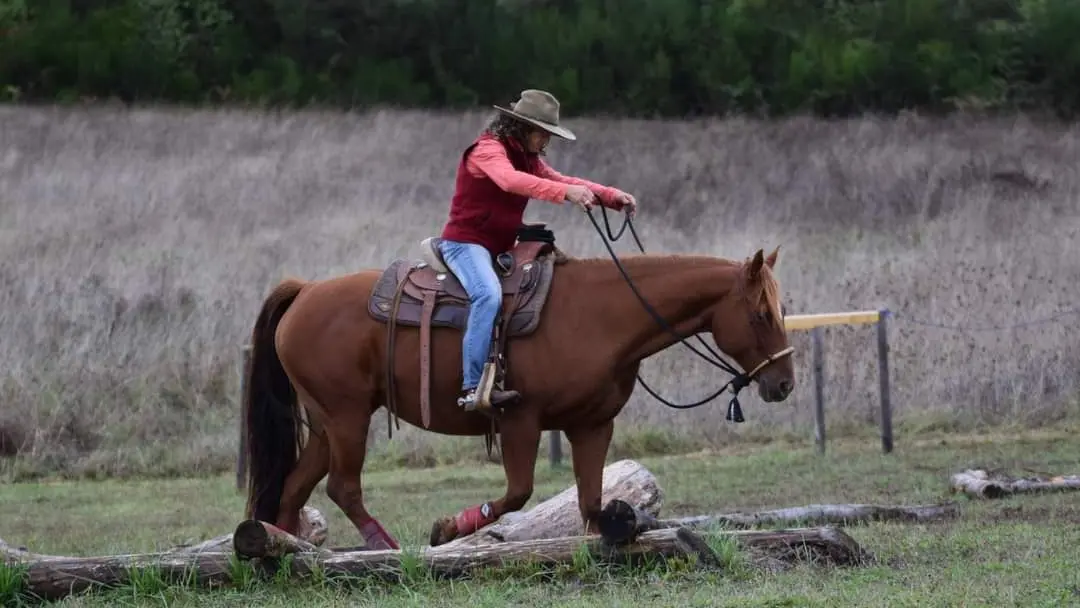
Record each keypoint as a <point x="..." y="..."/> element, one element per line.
<point x="748" y="325"/>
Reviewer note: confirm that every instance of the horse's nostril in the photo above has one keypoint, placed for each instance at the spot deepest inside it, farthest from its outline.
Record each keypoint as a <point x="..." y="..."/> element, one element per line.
<point x="785" y="385"/>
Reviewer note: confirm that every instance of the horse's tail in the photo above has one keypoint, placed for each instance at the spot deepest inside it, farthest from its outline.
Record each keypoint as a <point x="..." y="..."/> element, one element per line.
<point x="272" y="418"/>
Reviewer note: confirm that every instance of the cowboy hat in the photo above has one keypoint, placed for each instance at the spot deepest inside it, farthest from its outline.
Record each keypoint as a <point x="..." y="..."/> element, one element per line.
<point x="541" y="109"/>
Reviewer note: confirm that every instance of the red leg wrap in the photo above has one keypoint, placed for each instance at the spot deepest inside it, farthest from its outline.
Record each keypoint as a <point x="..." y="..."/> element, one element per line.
<point x="473" y="518"/>
<point x="375" y="537"/>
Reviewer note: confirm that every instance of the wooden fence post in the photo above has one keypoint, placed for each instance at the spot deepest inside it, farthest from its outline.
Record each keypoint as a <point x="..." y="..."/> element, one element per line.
<point x="818" y="355"/>
<point x="241" y="456"/>
<point x="883" y="379"/>
<point x="815" y="323"/>
<point x="555" y="448"/>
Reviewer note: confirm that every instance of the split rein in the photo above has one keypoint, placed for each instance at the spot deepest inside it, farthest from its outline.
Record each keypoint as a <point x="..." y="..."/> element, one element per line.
<point x="739" y="379"/>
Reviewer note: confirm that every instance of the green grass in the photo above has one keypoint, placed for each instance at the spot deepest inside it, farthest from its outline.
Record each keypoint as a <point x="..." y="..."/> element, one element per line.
<point x="1018" y="551"/>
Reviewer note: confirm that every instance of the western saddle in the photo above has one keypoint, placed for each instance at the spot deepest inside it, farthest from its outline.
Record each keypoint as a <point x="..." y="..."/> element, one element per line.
<point x="425" y="293"/>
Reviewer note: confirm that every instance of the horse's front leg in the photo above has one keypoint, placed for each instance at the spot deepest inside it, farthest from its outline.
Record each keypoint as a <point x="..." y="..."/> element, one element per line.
<point x="589" y="446"/>
<point x="520" y="438"/>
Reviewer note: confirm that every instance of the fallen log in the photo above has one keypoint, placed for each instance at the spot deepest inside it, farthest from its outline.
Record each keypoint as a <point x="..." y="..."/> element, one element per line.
<point x="446" y="561"/>
<point x="559" y="516"/>
<point x="820" y="515"/>
<point x="254" y="538"/>
<point x="790" y="544"/>
<point x="53" y="577"/>
<point x="313" y="532"/>
<point x="621" y="523"/>
<point x="978" y="483"/>
<point x="206" y="563"/>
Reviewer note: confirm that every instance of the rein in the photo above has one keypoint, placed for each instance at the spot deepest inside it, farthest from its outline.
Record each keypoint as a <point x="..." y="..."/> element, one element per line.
<point x="739" y="379"/>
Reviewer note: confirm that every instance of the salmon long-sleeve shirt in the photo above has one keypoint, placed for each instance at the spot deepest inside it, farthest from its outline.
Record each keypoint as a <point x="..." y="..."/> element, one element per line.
<point x="494" y="183"/>
<point x="489" y="159"/>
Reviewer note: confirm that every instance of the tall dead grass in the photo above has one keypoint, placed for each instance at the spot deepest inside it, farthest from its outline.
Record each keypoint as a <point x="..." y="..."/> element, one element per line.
<point x="136" y="247"/>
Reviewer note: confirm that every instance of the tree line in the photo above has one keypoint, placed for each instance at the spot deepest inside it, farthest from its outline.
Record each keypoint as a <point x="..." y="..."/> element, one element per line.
<point x="618" y="57"/>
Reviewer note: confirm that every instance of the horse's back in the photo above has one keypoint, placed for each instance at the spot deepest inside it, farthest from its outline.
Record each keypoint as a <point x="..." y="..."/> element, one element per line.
<point x="333" y="310"/>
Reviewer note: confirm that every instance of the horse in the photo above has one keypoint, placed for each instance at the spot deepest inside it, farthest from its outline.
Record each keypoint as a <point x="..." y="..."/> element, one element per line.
<point x="574" y="332"/>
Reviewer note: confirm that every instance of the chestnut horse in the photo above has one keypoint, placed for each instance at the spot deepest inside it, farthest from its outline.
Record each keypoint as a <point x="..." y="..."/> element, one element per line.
<point x="316" y="348"/>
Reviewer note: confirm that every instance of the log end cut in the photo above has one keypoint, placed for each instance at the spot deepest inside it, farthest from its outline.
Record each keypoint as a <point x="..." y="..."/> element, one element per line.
<point x="977" y="484"/>
<point x="253" y="539"/>
<point x="620" y="522"/>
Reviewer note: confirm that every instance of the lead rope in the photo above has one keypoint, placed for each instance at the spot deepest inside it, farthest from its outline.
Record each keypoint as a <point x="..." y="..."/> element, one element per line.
<point x="739" y="379"/>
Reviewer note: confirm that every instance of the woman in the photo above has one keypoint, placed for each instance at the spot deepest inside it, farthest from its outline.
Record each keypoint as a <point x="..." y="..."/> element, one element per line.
<point x="496" y="176"/>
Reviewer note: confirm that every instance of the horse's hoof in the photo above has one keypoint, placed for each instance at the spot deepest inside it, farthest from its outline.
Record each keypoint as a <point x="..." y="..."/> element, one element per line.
<point x="443" y="531"/>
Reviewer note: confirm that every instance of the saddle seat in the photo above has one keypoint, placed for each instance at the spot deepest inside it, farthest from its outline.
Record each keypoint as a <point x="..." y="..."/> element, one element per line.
<point x="525" y="273"/>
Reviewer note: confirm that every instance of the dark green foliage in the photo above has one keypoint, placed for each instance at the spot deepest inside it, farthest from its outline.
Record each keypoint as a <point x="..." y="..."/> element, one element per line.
<point x="637" y="57"/>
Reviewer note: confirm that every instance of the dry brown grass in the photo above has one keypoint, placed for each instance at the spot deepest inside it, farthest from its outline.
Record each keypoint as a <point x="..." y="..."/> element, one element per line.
<point x="137" y="247"/>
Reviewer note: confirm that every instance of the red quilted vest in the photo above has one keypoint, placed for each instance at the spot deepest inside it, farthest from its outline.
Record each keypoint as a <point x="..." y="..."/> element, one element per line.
<point x="483" y="213"/>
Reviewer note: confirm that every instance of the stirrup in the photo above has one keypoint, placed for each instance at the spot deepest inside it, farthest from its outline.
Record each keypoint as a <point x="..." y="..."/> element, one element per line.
<point x="468" y="401"/>
<point x="480" y="397"/>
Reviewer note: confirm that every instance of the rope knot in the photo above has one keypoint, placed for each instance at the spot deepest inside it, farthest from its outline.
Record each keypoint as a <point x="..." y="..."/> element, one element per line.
<point x="739" y="382"/>
<point x="734" y="412"/>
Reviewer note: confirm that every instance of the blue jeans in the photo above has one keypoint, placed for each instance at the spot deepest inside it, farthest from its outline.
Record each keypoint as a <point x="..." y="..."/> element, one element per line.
<point x="474" y="269"/>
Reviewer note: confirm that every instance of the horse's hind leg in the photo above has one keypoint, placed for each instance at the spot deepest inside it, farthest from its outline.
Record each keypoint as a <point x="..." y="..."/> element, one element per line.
<point x="348" y="447"/>
<point x="520" y="439"/>
<point x="588" y="448"/>
<point x="311" y="466"/>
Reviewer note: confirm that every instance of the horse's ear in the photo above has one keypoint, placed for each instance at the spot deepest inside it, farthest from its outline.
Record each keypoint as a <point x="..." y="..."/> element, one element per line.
<point x="771" y="260"/>
<point x="755" y="265"/>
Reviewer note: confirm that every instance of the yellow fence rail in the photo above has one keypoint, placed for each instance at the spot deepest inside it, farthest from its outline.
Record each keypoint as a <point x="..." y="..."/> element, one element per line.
<point x="861" y="317"/>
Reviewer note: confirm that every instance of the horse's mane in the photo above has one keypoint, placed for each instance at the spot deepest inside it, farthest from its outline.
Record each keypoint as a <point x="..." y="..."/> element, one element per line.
<point x="763" y="294"/>
<point x="649" y="260"/>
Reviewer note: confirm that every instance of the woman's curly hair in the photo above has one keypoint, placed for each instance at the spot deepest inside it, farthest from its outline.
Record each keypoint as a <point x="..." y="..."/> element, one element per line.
<point x="506" y="128"/>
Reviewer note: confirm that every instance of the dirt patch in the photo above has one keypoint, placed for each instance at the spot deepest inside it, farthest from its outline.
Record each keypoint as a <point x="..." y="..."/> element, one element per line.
<point x="1035" y="514"/>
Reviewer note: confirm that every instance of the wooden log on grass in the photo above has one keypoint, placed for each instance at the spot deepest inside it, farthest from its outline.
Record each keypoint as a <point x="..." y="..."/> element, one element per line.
<point x="977" y="483"/>
<point x="207" y="563"/>
<point x="820" y="515"/>
<point x="254" y="538"/>
<point x="559" y="516"/>
<point x="52" y="577"/>
<point x="621" y="524"/>
<point x="311" y="535"/>
<point x="789" y="544"/>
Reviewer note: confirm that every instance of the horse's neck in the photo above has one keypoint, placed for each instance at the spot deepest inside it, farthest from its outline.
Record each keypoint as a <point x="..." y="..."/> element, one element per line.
<point x="680" y="289"/>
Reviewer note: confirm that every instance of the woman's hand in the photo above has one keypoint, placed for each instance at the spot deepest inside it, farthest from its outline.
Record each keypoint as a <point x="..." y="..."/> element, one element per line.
<point x="580" y="196"/>
<point x="628" y="202"/>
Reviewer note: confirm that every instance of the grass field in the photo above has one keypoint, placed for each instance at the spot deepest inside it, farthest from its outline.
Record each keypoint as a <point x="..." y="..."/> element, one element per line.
<point x="136" y="247"/>
<point x="1013" y="552"/>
